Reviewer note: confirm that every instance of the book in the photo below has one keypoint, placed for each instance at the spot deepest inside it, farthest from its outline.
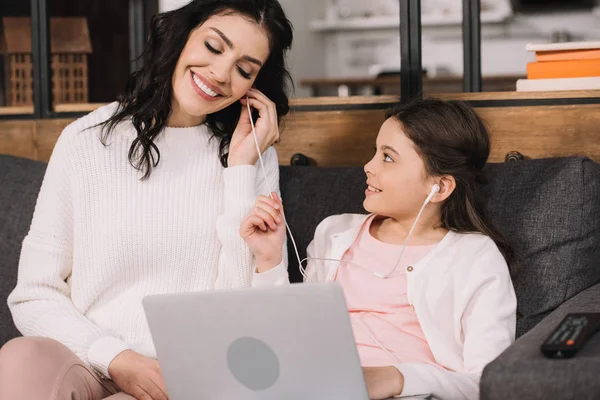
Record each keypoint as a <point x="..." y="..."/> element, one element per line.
<point x="563" y="46"/>
<point x="563" y="69"/>
<point x="558" y="84"/>
<point x="565" y="55"/>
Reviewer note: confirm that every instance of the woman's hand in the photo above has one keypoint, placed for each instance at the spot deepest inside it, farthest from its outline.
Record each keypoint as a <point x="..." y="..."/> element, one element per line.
<point x="138" y="376"/>
<point x="383" y="382"/>
<point x="264" y="232"/>
<point x="242" y="149"/>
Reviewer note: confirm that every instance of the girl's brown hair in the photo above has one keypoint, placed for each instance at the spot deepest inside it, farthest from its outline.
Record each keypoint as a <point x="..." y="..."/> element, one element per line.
<point x="453" y="140"/>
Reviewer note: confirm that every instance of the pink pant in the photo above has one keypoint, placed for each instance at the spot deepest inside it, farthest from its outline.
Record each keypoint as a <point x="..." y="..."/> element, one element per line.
<point x="35" y="368"/>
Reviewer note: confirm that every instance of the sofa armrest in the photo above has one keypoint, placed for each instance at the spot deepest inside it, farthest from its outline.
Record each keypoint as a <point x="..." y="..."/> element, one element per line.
<point x="522" y="372"/>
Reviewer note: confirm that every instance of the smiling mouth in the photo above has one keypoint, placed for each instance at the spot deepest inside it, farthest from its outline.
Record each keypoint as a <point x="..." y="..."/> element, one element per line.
<point x="205" y="89"/>
<point x="373" y="189"/>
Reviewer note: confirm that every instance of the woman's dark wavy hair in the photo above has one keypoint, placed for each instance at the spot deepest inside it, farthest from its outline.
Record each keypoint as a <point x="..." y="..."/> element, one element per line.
<point x="452" y="140"/>
<point x="147" y="97"/>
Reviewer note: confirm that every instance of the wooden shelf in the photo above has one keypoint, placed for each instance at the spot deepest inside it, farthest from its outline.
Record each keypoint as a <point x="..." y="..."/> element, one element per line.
<point x="355" y="100"/>
<point x="324" y="101"/>
<point x="328" y="101"/>
<point x="573" y="94"/>
<point x="390" y="84"/>
<point x="78" y="107"/>
<point x="16" y="110"/>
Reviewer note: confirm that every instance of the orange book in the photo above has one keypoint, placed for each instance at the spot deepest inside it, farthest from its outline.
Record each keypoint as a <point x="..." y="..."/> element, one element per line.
<point x="564" y="55"/>
<point x="563" y="69"/>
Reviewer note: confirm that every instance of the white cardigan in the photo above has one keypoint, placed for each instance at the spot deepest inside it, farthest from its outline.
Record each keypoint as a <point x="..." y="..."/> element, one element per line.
<point x="463" y="297"/>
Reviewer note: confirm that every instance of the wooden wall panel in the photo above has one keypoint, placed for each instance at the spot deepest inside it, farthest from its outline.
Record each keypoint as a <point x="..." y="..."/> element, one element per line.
<point x="540" y="132"/>
<point x="338" y="138"/>
<point x="17" y="138"/>
<point x="46" y="134"/>
<point x="347" y="137"/>
<point x="331" y="138"/>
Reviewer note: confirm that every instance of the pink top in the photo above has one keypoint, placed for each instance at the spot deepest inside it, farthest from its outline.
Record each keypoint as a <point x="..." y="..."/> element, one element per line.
<point x="379" y="309"/>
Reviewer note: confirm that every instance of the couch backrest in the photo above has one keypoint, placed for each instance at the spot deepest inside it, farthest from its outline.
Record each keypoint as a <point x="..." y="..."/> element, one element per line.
<point x="549" y="209"/>
<point x="20" y="182"/>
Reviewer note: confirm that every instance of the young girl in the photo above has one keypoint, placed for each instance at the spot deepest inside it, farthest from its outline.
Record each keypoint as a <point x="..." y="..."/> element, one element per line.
<point x="145" y="196"/>
<point x="426" y="318"/>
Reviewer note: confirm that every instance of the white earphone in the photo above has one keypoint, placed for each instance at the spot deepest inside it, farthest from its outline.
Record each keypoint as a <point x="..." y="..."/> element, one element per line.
<point x="434" y="189"/>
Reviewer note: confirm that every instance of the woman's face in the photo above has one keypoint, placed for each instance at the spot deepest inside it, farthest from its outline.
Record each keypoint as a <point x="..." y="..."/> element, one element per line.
<point x="217" y="66"/>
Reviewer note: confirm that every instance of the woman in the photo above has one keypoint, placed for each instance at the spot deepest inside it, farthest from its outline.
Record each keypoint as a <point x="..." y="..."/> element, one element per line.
<point x="145" y="196"/>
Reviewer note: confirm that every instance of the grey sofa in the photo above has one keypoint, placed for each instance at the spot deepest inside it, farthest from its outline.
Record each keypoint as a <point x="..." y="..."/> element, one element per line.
<point x="549" y="209"/>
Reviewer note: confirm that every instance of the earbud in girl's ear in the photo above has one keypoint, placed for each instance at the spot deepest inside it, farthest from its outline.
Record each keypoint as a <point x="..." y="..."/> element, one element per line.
<point x="434" y="189"/>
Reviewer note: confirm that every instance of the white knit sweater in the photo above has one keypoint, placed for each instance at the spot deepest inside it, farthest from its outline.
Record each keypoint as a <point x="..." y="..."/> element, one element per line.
<point x="101" y="239"/>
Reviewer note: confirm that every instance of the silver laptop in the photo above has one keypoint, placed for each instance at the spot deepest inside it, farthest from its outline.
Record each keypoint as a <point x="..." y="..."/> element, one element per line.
<point x="280" y="343"/>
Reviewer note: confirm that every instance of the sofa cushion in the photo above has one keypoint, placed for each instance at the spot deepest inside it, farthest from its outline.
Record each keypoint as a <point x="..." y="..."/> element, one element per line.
<point x="522" y="372"/>
<point x="20" y="182"/>
<point x="549" y="209"/>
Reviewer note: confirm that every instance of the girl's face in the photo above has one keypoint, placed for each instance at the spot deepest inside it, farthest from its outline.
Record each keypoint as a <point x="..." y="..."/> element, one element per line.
<point x="217" y="66"/>
<point x="396" y="175"/>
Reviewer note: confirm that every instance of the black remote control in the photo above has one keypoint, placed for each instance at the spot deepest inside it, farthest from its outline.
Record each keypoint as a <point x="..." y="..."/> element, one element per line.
<point x="570" y="335"/>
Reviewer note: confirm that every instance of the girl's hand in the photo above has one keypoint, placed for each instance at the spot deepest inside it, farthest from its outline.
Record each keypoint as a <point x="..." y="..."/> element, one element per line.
<point x="242" y="149"/>
<point x="264" y="232"/>
<point x="383" y="382"/>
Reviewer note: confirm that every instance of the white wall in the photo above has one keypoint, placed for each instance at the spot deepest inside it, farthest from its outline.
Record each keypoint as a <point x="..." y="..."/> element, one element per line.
<point x="503" y="46"/>
<point x="168" y="5"/>
<point x="307" y="58"/>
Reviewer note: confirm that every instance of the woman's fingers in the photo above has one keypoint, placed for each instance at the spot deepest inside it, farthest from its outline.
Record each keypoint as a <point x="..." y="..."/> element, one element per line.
<point x="156" y="391"/>
<point x="267" y="110"/>
<point x="257" y="94"/>
<point x="140" y="394"/>
<point x="263" y="109"/>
